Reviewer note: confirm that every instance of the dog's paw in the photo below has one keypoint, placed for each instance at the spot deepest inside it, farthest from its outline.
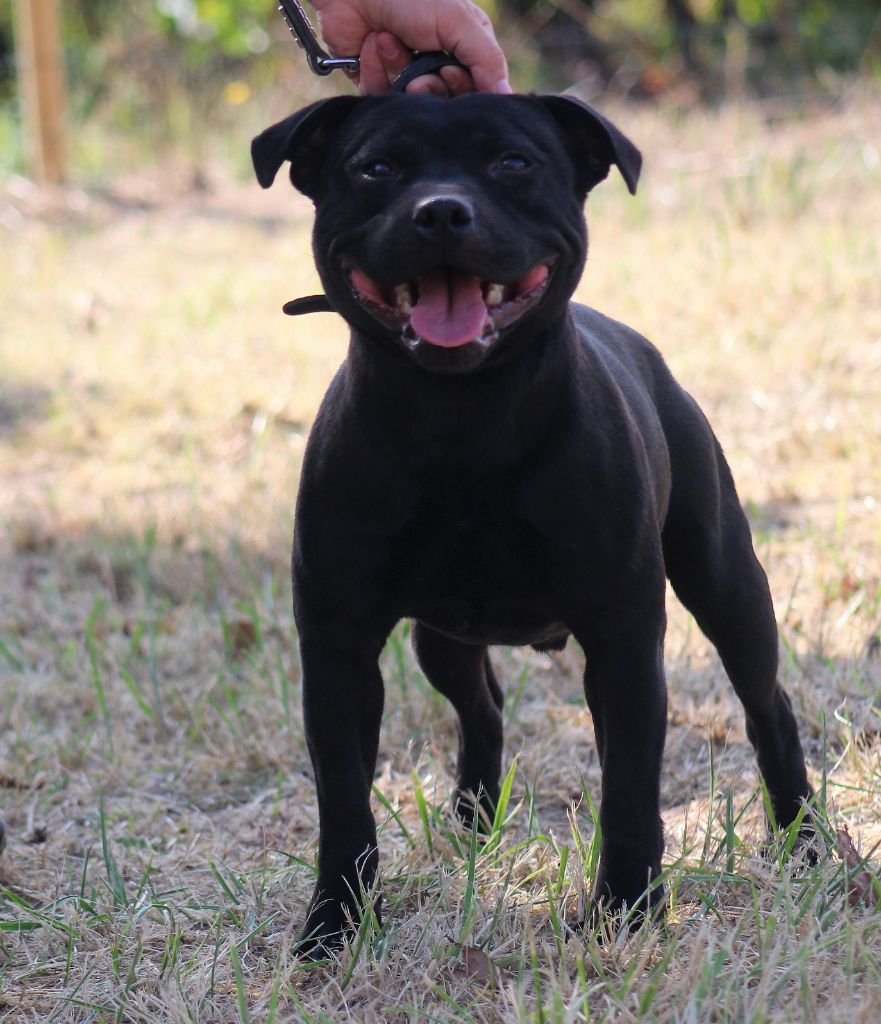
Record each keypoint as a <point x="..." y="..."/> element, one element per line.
<point x="808" y="844"/>
<point x="330" y="923"/>
<point x="324" y="932"/>
<point x="467" y="808"/>
<point x="610" y="913"/>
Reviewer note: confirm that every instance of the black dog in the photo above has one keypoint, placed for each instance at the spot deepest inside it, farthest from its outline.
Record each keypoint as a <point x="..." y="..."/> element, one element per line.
<point x="503" y="467"/>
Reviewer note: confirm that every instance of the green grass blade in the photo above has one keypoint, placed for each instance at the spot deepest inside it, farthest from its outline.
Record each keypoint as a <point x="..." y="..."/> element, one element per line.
<point x="241" y="995"/>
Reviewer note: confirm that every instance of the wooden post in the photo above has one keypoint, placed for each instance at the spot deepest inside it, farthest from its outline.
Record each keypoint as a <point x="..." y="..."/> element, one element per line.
<point x="41" y="84"/>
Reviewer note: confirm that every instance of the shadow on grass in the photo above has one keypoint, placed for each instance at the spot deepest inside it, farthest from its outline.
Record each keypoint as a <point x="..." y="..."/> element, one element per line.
<point x="21" y="406"/>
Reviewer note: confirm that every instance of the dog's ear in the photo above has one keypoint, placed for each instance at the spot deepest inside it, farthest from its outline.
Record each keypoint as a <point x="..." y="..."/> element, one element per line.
<point x="596" y="143"/>
<point x="301" y="138"/>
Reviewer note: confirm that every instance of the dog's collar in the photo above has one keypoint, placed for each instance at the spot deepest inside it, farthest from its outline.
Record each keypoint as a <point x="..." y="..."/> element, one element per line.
<point x="308" y="304"/>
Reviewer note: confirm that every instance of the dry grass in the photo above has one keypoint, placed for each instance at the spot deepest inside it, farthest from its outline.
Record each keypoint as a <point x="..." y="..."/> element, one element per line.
<point x="156" y="788"/>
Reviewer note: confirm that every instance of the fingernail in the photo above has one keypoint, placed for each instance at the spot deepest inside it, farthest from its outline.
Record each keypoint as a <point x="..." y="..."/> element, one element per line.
<point x="388" y="48"/>
<point x="504" y="87"/>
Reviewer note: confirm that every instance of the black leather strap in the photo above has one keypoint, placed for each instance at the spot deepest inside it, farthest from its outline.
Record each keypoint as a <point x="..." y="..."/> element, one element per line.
<point x="428" y="63"/>
<point x="307" y="304"/>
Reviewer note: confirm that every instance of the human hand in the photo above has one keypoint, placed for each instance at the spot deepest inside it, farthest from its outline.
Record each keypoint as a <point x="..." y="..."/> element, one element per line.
<point x="383" y="32"/>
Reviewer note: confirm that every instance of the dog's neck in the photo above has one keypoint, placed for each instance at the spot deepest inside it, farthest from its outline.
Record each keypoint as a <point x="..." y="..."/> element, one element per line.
<point x="522" y="392"/>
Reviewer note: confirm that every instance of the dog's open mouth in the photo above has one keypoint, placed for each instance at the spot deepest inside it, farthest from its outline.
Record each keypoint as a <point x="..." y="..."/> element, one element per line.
<point x="447" y="307"/>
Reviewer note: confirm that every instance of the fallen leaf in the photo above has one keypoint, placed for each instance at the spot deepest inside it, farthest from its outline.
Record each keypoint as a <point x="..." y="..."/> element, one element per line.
<point x="861" y="889"/>
<point x="478" y="966"/>
<point x="242" y="636"/>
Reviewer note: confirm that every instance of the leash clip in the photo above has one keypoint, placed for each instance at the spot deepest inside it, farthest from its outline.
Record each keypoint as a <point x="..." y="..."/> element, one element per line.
<point x="320" y="62"/>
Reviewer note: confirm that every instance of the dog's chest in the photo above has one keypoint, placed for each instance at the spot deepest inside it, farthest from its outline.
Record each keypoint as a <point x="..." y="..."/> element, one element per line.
<point x="470" y="564"/>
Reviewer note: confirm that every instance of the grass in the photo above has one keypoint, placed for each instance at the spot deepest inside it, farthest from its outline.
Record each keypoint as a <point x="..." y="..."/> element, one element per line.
<point x="161" y="821"/>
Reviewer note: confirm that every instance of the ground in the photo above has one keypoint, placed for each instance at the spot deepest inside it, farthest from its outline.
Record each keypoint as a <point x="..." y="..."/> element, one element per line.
<point x="160" y="812"/>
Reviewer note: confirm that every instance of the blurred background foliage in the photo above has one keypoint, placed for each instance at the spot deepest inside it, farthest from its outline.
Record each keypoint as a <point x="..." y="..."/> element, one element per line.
<point x="177" y="72"/>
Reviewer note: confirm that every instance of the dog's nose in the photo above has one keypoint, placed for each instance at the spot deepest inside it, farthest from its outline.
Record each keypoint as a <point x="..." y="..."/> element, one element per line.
<point x="443" y="213"/>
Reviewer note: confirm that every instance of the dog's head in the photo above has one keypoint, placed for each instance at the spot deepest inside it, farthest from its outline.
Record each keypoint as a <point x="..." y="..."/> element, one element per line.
<point x="448" y="229"/>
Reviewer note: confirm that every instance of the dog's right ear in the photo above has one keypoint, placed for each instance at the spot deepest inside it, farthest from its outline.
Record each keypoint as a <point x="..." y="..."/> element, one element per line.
<point x="596" y="143"/>
<point x="301" y="138"/>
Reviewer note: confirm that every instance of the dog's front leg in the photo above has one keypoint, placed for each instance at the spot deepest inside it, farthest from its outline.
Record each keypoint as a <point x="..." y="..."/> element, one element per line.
<point x="342" y="710"/>
<point x="627" y="696"/>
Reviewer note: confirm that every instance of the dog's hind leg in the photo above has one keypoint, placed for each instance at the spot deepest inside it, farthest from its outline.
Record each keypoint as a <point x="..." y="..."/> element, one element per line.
<point x="464" y="675"/>
<point x="714" y="571"/>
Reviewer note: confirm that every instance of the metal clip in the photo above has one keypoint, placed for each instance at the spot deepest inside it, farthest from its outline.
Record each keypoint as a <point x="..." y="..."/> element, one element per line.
<point x="320" y="62"/>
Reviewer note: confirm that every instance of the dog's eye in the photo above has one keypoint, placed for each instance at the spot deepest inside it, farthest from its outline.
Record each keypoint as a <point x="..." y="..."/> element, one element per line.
<point x="514" y="162"/>
<point x="376" y="169"/>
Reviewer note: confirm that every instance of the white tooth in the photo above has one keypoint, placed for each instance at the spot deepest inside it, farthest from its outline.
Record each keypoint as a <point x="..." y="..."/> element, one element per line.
<point x="404" y="298"/>
<point x="494" y="295"/>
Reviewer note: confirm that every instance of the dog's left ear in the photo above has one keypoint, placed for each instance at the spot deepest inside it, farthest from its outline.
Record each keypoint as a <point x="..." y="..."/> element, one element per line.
<point x="596" y="143"/>
<point x="301" y="138"/>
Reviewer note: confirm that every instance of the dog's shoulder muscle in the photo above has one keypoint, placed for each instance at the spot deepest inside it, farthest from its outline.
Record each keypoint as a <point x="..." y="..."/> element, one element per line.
<point x="634" y="362"/>
<point x="621" y="348"/>
<point x="642" y="374"/>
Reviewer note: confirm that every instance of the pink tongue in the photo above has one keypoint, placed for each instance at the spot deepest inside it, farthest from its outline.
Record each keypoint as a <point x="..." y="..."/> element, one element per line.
<point x="450" y="310"/>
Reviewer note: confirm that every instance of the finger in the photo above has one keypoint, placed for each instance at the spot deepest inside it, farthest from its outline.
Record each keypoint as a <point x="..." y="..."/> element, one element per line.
<point x="343" y="27"/>
<point x="428" y="85"/>
<point x="457" y="80"/>
<point x="468" y="34"/>
<point x="394" y="56"/>
<point x="373" y="77"/>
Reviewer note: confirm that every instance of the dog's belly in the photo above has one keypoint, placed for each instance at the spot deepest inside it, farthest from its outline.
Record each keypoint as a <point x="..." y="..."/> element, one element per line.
<point x="508" y="627"/>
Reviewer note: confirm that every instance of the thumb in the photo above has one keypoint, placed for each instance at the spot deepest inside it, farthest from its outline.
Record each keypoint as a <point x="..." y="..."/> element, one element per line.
<point x="474" y="43"/>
